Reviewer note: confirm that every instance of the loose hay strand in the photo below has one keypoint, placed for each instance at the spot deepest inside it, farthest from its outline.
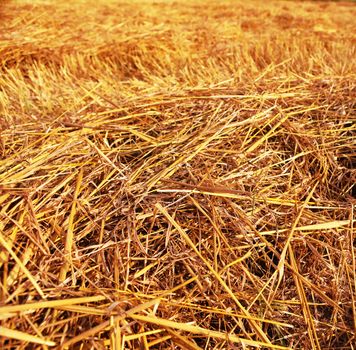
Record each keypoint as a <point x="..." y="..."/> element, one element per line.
<point x="22" y="267"/>
<point x="69" y="239"/>
<point x="11" y="333"/>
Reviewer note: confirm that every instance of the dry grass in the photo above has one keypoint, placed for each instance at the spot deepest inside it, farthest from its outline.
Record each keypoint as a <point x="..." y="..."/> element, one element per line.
<point x="177" y="175"/>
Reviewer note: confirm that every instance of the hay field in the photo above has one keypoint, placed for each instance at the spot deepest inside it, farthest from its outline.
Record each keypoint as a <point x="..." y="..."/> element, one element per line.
<point x="177" y="174"/>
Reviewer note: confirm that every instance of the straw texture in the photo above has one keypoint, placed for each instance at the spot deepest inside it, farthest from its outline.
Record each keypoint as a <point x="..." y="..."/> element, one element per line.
<point x="177" y="175"/>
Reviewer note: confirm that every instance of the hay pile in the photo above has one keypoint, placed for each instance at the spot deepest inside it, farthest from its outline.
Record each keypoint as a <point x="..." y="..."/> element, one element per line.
<point x="177" y="175"/>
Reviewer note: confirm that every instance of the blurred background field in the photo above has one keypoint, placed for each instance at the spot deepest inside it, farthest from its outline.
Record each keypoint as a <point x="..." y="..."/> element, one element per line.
<point x="177" y="174"/>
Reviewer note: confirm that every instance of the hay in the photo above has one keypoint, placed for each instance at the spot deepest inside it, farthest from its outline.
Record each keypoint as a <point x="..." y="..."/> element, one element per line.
<point x="177" y="175"/>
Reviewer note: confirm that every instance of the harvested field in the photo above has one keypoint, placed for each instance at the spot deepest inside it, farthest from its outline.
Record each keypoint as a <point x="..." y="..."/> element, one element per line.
<point x="177" y="174"/>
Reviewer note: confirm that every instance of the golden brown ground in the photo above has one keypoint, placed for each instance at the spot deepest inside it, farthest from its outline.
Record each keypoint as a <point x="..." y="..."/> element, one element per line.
<point x="177" y="174"/>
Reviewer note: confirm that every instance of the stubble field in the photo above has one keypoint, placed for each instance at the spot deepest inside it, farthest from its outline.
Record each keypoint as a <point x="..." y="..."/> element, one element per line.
<point x="177" y="175"/>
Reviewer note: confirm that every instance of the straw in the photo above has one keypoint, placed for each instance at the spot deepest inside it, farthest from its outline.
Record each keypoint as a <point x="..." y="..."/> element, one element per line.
<point x="177" y="174"/>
